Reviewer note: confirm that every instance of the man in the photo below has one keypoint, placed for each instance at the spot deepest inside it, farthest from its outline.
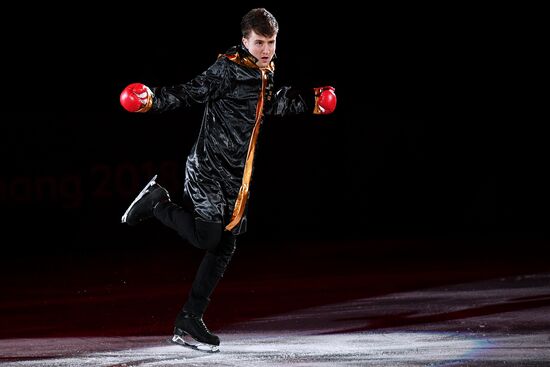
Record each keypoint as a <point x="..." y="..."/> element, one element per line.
<point x="238" y="91"/>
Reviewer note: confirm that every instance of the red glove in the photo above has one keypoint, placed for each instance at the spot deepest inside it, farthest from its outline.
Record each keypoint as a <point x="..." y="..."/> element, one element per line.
<point x="325" y="100"/>
<point x="136" y="97"/>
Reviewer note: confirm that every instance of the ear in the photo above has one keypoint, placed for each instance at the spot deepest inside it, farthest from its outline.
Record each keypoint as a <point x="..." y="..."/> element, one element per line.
<point x="245" y="42"/>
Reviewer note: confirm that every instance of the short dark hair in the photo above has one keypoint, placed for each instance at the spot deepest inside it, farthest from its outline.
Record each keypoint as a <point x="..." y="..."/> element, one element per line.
<point x="260" y="21"/>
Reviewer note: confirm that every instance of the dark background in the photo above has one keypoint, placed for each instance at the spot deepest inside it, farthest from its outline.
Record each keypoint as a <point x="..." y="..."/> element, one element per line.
<point x="435" y="136"/>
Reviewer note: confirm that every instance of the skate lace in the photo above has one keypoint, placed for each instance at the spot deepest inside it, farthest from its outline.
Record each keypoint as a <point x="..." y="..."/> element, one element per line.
<point x="202" y="325"/>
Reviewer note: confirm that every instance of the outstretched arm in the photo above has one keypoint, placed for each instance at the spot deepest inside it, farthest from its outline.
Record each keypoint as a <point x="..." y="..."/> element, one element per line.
<point x="291" y="101"/>
<point x="137" y="97"/>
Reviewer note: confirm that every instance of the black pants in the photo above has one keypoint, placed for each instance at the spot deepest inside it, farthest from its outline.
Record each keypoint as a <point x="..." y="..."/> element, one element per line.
<point x="218" y="243"/>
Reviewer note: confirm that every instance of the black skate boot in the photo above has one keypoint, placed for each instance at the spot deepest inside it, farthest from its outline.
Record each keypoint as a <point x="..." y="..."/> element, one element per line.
<point x="143" y="205"/>
<point x="190" y="331"/>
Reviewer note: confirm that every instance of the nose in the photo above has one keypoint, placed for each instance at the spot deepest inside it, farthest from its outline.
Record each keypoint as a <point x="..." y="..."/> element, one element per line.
<point x="266" y="49"/>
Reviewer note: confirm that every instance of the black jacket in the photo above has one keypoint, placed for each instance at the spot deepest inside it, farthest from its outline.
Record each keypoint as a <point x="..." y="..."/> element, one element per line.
<point x="236" y="100"/>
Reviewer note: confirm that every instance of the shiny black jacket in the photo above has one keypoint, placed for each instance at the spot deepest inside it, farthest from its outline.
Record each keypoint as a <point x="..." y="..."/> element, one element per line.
<point x="237" y="95"/>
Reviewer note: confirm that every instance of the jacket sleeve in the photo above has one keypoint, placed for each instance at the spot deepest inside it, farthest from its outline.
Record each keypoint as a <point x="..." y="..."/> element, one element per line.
<point x="291" y="101"/>
<point x="210" y="84"/>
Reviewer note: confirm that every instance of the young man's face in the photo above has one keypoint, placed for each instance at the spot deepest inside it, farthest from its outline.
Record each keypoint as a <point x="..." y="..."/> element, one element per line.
<point x="261" y="47"/>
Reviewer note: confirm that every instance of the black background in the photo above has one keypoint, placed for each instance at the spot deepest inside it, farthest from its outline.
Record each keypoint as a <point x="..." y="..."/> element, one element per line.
<point x="435" y="134"/>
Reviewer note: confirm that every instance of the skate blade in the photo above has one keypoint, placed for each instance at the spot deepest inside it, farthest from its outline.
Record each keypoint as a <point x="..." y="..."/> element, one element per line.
<point x="189" y="342"/>
<point x="140" y="195"/>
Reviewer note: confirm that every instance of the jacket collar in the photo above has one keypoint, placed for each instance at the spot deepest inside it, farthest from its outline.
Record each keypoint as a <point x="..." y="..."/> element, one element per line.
<point x="240" y="55"/>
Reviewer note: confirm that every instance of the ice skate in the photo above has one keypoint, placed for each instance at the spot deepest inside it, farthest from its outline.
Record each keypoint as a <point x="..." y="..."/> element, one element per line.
<point x="190" y="331"/>
<point x="142" y="206"/>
